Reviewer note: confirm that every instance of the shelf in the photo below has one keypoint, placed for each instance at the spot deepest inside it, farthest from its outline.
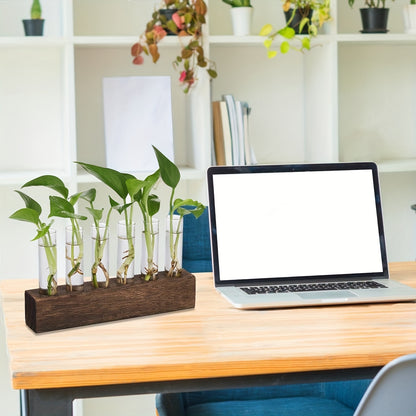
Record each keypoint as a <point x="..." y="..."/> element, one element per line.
<point x="376" y="38"/>
<point x="405" y="165"/>
<point x="32" y="41"/>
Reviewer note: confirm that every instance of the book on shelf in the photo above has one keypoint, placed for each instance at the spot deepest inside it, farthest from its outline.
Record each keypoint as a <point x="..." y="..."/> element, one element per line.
<point x="231" y="132"/>
<point x="222" y="133"/>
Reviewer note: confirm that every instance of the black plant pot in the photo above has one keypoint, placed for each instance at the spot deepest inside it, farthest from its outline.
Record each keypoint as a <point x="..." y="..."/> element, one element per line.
<point x="167" y="14"/>
<point x="297" y="18"/>
<point x="33" y="27"/>
<point x="374" y="20"/>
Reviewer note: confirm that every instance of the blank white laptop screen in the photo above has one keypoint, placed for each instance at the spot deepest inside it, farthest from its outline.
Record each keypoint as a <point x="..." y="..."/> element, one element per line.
<point x="296" y="224"/>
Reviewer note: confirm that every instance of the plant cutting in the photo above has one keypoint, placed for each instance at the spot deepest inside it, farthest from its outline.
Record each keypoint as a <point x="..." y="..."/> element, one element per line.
<point x="149" y="205"/>
<point x="64" y="207"/>
<point x="117" y="182"/>
<point x="303" y="17"/>
<point x="171" y="176"/>
<point x="31" y="213"/>
<point x="187" y="22"/>
<point x="100" y="237"/>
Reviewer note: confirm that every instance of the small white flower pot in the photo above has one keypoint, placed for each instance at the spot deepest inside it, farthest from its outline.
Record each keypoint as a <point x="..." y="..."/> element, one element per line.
<point x="409" y="15"/>
<point x="241" y="18"/>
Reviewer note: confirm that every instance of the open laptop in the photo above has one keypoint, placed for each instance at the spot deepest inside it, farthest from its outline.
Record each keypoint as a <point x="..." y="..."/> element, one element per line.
<point x="298" y="235"/>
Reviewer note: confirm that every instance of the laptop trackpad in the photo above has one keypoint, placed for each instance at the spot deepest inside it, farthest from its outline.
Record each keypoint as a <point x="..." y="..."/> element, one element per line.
<point x="329" y="295"/>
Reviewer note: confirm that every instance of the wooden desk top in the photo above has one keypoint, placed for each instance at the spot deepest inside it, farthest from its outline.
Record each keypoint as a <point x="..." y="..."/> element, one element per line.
<point x="214" y="340"/>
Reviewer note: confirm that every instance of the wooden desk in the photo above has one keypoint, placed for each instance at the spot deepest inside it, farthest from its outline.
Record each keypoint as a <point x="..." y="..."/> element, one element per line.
<point x="214" y="345"/>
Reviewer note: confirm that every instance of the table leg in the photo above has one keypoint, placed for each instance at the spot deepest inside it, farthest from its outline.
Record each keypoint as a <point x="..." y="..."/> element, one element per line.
<point x="45" y="402"/>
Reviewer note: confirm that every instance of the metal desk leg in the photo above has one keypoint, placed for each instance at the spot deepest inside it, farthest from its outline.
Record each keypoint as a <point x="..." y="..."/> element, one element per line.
<point x="48" y="402"/>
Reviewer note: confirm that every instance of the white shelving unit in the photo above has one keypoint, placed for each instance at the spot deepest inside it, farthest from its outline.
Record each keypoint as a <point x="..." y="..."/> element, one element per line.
<point x="352" y="97"/>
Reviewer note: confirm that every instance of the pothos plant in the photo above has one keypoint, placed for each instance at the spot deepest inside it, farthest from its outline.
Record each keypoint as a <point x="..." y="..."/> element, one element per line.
<point x="171" y="176"/>
<point x="63" y="206"/>
<point x="32" y="214"/>
<point x="142" y="192"/>
<point x="320" y="10"/>
<point x="187" y="22"/>
<point x="116" y="181"/>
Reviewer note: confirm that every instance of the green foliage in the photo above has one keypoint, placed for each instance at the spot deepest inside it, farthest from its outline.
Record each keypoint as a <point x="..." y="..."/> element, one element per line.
<point x="130" y="189"/>
<point x="36" y="10"/>
<point x="376" y="4"/>
<point x="238" y="3"/>
<point x="171" y="176"/>
<point x="187" y="22"/>
<point x="289" y="38"/>
<point x="112" y="178"/>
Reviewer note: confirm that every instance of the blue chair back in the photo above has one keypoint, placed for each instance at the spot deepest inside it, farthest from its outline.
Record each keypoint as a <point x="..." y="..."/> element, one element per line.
<point x="196" y="253"/>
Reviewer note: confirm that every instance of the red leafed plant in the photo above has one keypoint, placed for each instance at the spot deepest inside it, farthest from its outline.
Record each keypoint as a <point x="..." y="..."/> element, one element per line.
<point x="187" y="22"/>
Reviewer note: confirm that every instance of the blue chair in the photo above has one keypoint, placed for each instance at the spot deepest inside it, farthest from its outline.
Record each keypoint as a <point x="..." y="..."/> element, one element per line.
<point x="314" y="399"/>
<point x="196" y="252"/>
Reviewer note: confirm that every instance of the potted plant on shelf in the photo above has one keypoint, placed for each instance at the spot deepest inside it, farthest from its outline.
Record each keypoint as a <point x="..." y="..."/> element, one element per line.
<point x="241" y="16"/>
<point x="409" y="16"/>
<point x="303" y="17"/>
<point x="34" y="25"/>
<point x="374" y="17"/>
<point x="188" y="19"/>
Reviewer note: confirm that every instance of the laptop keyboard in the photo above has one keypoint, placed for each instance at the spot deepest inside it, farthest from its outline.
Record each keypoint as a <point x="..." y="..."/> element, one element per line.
<point x="312" y="287"/>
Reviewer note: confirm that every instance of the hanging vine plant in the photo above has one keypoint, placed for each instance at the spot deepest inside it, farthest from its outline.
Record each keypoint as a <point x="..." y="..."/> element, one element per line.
<point x="186" y="20"/>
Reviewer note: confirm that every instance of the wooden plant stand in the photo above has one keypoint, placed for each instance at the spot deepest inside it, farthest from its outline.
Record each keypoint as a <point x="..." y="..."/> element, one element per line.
<point x="91" y="306"/>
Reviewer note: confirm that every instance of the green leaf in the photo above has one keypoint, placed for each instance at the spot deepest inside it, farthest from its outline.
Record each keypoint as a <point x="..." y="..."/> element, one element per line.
<point x="170" y="24"/>
<point x="284" y="47"/>
<point x="266" y="30"/>
<point x="313" y="30"/>
<point x="149" y="183"/>
<point x="27" y="215"/>
<point x="268" y="43"/>
<point x="118" y="207"/>
<point x="112" y="178"/>
<point x="30" y="202"/>
<point x="49" y="181"/>
<point x="60" y="207"/>
<point x="188" y="206"/>
<point x="302" y="23"/>
<point x="153" y="204"/>
<point x="133" y="186"/>
<point x="271" y="54"/>
<point x="168" y="170"/>
<point x="42" y="231"/>
<point x="97" y="214"/>
<point x="306" y="43"/>
<point x="287" y="32"/>
<point x="212" y="73"/>
<point x="89" y="195"/>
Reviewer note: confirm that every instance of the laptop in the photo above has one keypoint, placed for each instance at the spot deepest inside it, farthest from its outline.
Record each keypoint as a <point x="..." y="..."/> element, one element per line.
<point x="299" y="235"/>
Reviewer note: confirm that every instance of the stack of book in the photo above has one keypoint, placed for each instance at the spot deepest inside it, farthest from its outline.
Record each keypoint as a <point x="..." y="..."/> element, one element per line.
<point x="231" y="135"/>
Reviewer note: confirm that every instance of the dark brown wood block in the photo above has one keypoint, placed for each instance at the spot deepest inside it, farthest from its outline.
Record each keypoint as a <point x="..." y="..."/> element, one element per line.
<point x="91" y="306"/>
